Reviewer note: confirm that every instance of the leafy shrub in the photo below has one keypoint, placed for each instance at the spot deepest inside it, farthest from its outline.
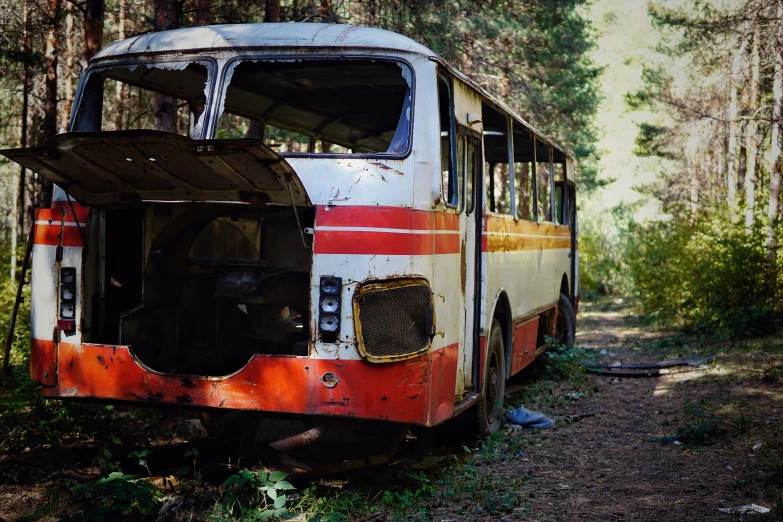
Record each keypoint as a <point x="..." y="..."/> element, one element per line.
<point x="254" y="496"/>
<point x="112" y="497"/>
<point x="705" y="272"/>
<point x="566" y="362"/>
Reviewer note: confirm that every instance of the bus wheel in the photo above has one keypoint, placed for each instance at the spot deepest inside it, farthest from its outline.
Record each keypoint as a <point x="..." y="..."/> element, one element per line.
<point x="490" y="407"/>
<point x="566" y="322"/>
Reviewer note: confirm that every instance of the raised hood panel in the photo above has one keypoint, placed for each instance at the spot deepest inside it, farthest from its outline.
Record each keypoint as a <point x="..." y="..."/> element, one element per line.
<point x="106" y="168"/>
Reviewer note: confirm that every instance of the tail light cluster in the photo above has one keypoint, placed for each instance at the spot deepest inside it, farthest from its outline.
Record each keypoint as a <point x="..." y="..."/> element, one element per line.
<point x="67" y="319"/>
<point x="329" y="307"/>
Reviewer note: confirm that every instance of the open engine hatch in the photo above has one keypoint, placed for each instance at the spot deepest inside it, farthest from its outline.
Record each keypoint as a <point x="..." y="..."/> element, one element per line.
<point x="107" y="168"/>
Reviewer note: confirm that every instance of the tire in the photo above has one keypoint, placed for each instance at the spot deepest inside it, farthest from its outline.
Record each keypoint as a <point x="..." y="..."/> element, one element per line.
<point x="490" y="407"/>
<point x="565" y="333"/>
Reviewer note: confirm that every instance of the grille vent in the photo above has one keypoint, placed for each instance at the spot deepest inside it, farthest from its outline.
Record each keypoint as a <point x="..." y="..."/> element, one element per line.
<point x="394" y="319"/>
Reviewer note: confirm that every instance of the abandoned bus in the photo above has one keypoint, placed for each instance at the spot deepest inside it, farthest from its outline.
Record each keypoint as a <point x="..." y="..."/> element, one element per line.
<point x="311" y="219"/>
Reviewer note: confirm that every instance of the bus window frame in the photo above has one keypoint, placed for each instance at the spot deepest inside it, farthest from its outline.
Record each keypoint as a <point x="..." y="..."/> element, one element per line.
<point x="470" y="134"/>
<point x="220" y="93"/>
<point x="213" y="71"/>
<point x="452" y="198"/>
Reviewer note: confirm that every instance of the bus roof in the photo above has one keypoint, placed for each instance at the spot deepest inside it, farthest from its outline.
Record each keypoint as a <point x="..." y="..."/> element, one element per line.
<point x="231" y="36"/>
<point x="275" y="35"/>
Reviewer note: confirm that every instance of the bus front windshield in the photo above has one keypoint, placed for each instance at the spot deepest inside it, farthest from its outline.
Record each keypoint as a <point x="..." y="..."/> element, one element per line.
<point x="319" y="106"/>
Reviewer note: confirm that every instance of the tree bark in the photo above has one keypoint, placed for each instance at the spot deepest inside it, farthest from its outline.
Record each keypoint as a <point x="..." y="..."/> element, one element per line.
<point x="119" y="99"/>
<point x="49" y="126"/>
<point x="93" y="28"/>
<point x="775" y="158"/>
<point x="65" y="114"/>
<point x="165" y="111"/>
<point x="731" y="161"/>
<point x="27" y="46"/>
<point x="751" y="138"/>
<point x="272" y="13"/>
<point x="204" y="12"/>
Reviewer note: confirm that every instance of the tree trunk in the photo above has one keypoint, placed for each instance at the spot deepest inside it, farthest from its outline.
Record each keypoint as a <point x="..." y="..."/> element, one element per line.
<point x="165" y="112"/>
<point x="49" y="126"/>
<point x="743" y="164"/>
<point x="327" y="12"/>
<point x="204" y="12"/>
<point x="65" y="114"/>
<point x="119" y="99"/>
<point x="775" y="158"/>
<point x="731" y="161"/>
<point x="751" y="138"/>
<point x="27" y="45"/>
<point x="93" y="28"/>
<point x="272" y="13"/>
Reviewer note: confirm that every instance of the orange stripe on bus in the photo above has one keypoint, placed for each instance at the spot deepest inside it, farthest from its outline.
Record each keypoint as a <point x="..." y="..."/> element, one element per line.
<point x="495" y="243"/>
<point x="508" y="225"/>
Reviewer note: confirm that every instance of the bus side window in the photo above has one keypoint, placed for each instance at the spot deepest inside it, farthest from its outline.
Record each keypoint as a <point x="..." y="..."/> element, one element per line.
<point x="461" y="169"/>
<point x="449" y="185"/>
<point x="561" y="203"/>
<point x="543" y="180"/>
<point x="496" y="156"/>
<point x="524" y="172"/>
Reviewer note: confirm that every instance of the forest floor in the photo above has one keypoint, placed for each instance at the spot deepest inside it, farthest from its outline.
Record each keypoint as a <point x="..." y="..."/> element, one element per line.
<point x="674" y="447"/>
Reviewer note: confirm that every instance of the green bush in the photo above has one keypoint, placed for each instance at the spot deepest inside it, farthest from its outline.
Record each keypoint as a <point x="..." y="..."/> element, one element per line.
<point x="602" y="264"/>
<point x="707" y="273"/>
<point x="114" y="497"/>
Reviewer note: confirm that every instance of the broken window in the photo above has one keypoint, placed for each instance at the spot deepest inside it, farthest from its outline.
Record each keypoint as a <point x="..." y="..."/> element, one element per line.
<point x="170" y="97"/>
<point x="496" y="152"/>
<point x="319" y="106"/>
<point x="524" y="172"/>
<point x="544" y="180"/>
<point x="559" y="169"/>
<point x="447" y="125"/>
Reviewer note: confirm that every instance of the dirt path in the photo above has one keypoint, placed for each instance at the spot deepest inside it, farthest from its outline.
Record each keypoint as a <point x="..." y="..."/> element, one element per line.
<point x="605" y="467"/>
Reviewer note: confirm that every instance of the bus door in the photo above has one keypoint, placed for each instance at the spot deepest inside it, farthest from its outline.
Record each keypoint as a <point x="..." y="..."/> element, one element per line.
<point x="469" y="163"/>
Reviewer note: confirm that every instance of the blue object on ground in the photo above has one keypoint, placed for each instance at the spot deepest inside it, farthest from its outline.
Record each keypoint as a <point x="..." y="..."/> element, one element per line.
<point x="529" y="419"/>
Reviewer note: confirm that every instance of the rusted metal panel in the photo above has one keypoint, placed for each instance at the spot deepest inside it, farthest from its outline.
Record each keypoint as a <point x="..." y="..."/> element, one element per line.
<point x="524" y="346"/>
<point x="402" y="391"/>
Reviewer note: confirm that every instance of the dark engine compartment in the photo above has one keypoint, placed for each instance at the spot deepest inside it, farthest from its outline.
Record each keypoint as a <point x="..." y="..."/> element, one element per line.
<point x="198" y="289"/>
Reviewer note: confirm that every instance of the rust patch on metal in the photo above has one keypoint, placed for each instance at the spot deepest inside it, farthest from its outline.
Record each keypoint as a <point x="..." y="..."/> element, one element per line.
<point x="300" y="440"/>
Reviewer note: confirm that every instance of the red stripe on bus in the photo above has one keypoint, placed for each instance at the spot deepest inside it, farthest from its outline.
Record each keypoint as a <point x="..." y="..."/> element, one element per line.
<point x="81" y="211"/>
<point x="43" y="362"/>
<point x="386" y="217"/>
<point x="384" y="243"/>
<point x="49" y="225"/>
<point x="419" y="390"/>
<point x="49" y="235"/>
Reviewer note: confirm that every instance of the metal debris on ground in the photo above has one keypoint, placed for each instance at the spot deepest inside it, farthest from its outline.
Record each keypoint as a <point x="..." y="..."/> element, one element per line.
<point x="529" y="419"/>
<point x="694" y="363"/>
<point x="745" y="510"/>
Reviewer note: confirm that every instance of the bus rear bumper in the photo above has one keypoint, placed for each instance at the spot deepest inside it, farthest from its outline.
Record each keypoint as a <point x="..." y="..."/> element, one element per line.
<point x="416" y="391"/>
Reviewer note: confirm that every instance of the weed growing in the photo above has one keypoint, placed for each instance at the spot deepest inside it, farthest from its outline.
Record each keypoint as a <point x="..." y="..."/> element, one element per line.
<point x="254" y="495"/>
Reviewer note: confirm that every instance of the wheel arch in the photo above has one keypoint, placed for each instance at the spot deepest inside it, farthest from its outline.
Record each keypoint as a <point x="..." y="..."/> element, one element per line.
<point x="501" y="310"/>
<point x="565" y="288"/>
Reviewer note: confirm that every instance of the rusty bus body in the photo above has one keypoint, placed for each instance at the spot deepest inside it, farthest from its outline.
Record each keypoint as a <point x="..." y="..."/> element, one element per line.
<point x="335" y="223"/>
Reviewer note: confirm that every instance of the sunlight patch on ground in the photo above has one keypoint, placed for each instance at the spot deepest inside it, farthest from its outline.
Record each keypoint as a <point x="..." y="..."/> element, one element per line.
<point x="668" y="382"/>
